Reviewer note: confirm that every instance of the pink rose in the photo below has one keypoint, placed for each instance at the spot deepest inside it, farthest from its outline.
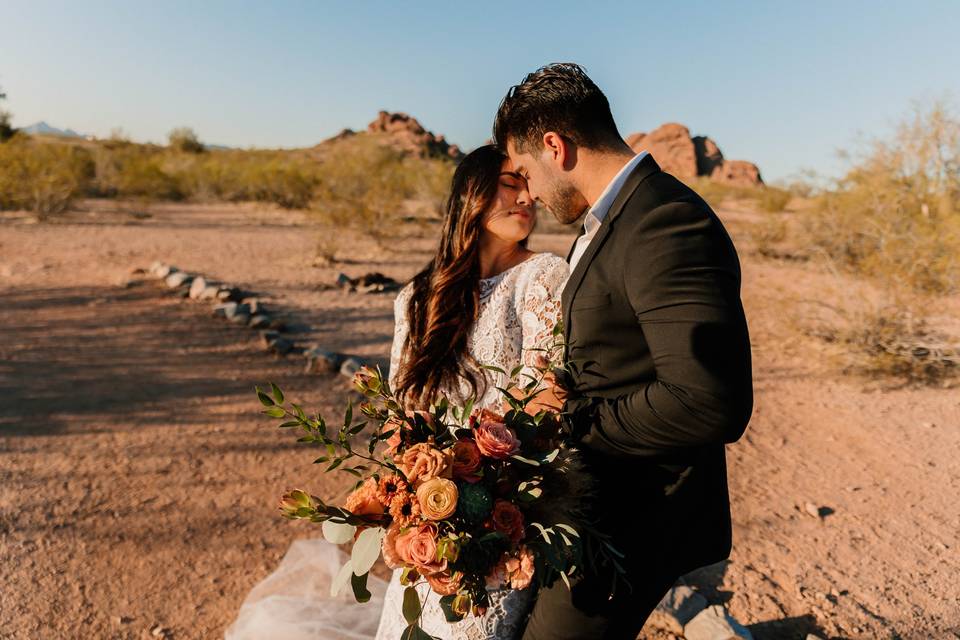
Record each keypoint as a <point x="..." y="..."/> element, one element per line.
<point x="418" y="546"/>
<point x="496" y="440"/>
<point x="389" y="548"/>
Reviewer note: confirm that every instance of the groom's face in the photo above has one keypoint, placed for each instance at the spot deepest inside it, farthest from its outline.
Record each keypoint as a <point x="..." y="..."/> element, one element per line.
<point x="548" y="183"/>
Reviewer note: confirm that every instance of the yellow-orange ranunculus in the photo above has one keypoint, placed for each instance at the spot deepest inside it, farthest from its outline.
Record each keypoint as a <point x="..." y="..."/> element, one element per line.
<point x="437" y="498"/>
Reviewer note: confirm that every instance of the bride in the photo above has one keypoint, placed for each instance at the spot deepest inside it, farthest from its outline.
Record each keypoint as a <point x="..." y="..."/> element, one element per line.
<point x="484" y="299"/>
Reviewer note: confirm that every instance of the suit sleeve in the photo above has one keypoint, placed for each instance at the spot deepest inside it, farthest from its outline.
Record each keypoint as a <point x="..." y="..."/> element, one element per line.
<point x="682" y="279"/>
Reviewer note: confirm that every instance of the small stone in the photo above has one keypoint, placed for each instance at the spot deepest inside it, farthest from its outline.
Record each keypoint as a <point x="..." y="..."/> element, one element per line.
<point x="210" y="293"/>
<point x="260" y="321"/>
<point x="240" y="317"/>
<point x="350" y="367"/>
<point x="138" y="271"/>
<point x="155" y="267"/>
<point x="197" y="287"/>
<point x="344" y="282"/>
<point x="678" y="607"/>
<point x="225" y="310"/>
<point x="229" y="293"/>
<point x="714" y="623"/>
<point x="164" y="270"/>
<point x="267" y="338"/>
<point x="158" y="632"/>
<point x="280" y="346"/>
<point x="322" y="361"/>
<point x="256" y="307"/>
<point x="178" y="279"/>
<point x="812" y="509"/>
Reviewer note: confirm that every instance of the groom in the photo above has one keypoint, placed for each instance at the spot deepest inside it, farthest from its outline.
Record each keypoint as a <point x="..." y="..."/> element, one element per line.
<point x="652" y="316"/>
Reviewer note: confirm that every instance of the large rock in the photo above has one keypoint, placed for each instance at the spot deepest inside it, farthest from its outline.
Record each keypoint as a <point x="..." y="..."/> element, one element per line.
<point x="685" y="157"/>
<point x="407" y="134"/>
<point x="714" y="623"/>
<point x="738" y="173"/>
<point x="178" y="279"/>
<point x="671" y="146"/>
<point x="678" y="607"/>
<point x="321" y="360"/>
<point x="197" y="287"/>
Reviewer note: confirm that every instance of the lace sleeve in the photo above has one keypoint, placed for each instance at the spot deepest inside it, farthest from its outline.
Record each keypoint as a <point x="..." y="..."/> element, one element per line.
<point x="400" y="331"/>
<point x="541" y="309"/>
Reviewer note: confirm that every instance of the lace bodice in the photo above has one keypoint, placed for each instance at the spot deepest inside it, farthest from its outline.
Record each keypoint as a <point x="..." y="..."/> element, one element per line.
<point x="518" y="311"/>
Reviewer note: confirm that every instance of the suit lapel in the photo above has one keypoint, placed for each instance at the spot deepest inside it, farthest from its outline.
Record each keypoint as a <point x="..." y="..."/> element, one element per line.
<point x="646" y="168"/>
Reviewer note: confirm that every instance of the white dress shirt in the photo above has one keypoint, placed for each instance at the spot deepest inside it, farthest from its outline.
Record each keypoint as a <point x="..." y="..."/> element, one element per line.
<point x="600" y="208"/>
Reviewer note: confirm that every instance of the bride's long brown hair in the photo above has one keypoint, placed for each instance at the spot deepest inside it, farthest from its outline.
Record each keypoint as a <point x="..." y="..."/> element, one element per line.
<point x="446" y="294"/>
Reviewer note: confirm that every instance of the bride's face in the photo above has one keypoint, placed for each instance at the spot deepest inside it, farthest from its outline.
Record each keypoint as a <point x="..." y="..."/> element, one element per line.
<point x="511" y="215"/>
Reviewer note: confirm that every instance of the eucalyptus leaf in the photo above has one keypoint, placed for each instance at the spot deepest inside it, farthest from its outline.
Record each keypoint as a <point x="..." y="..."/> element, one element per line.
<point x="366" y="549"/>
<point x="338" y="533"/>
<point x="265" y="400"/>
<point x="275" y="412"/>
<point x="411" y="605"/>
<point x="359" y="584"/>
<point x="341" y="580"/>
<point x="414" y="632"/>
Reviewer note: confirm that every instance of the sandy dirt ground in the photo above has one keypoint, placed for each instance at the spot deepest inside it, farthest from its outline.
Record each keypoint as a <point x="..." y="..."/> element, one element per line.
<point x="138" y="482"/>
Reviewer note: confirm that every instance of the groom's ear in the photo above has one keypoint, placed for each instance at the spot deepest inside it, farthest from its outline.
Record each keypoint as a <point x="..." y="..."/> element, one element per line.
<point x="558" y="150"/>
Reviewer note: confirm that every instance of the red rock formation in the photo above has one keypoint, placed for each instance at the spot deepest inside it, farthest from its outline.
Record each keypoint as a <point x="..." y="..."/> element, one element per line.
<point x="408" y="134"/>
<point x="686" y="157"/>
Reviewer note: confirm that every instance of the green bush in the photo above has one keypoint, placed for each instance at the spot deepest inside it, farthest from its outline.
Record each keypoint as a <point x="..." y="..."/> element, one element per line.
<point x="185" y="139"/>
<point x="773" y="199"/>
<point x="43" y="178"/>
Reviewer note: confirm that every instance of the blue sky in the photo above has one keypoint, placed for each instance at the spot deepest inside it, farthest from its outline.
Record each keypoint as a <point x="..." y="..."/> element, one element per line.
<point x="784" y="85"/>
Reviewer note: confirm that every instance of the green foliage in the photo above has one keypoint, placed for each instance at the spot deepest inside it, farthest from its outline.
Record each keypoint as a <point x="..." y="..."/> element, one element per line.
<point x="896" y="214"/>
<point x="773" y="199"/>
<point x="185" y="139"/>
<point x="6" y="129"/>
<point x="40" y="177"/>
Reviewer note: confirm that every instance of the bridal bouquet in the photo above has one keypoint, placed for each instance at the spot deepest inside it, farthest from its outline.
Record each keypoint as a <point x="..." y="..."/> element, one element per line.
<point x="463" y="499"/>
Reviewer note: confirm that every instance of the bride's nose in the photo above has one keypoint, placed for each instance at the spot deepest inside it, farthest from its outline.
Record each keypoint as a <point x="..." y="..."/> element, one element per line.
<point x="523" y="198"/>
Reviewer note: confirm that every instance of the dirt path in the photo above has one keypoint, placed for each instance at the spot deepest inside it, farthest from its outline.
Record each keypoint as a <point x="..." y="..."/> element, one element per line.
<point x="137" y="481"/>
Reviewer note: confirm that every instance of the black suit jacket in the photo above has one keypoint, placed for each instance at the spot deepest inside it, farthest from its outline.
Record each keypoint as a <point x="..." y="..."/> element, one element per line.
<point x="655" y="328"/>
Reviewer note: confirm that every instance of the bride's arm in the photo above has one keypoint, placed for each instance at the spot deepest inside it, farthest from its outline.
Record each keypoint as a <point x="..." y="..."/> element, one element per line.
<point x="540" y="315"/>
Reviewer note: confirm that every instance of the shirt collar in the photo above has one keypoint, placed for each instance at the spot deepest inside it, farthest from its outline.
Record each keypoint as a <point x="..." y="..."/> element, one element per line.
<point x="601" y="207"/>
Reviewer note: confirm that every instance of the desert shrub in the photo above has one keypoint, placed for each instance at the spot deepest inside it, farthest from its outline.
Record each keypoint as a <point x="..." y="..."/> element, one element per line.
<point x="133" y="170"/>
<point x="773" y="199"/>
<point x="369" y="189"/>
<point x="6" y="129"/>
<point x="896" y="214"/>
<point x="185" y="139"/>
<point x="43" y="178"/>
<point x="895" y="342"/>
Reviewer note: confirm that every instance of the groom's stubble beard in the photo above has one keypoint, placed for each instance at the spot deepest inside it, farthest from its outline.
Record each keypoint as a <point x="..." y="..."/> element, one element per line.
<point x="565" y="202"/>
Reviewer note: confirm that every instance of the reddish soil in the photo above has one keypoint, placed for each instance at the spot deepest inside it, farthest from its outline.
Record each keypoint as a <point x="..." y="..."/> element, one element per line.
<point x="138" y="481"/>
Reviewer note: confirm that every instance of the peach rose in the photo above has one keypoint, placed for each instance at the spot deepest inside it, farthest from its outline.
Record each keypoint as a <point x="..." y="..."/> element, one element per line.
<point x="423" y="461"/>
<point x="508" y="519"/>
<point x="520" y="569"/>
<point x="437" y="498"/>
<point x="496" y="440"/>
<point x="389" y="548"/>
<point x="363" y="501"/>
<point x="445" y="583"/>
<point x="418" y="546"/>
<point x="467" y="460"/>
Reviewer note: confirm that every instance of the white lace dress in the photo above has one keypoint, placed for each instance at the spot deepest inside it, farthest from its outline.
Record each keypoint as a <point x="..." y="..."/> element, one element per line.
<point x="518" y="311"/>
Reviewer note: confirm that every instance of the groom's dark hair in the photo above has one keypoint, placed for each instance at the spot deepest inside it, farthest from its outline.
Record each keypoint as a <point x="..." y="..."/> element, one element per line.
<point x="559" y="97"/>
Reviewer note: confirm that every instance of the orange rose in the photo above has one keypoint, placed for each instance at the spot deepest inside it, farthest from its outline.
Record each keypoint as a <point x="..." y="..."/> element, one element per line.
<point x="363" y="501"/>
<point x="467" y="460"/>
<point x="437" y="498"/>
<point x="423" y="461"/>
<point x="445" y="583"/>
<point x="418" y="546"/>
<point x="496" y="440"/>
<point x="508" y="519"/>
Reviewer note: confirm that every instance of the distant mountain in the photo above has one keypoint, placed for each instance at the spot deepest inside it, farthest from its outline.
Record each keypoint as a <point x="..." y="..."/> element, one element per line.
<point x="44" y="129"/>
